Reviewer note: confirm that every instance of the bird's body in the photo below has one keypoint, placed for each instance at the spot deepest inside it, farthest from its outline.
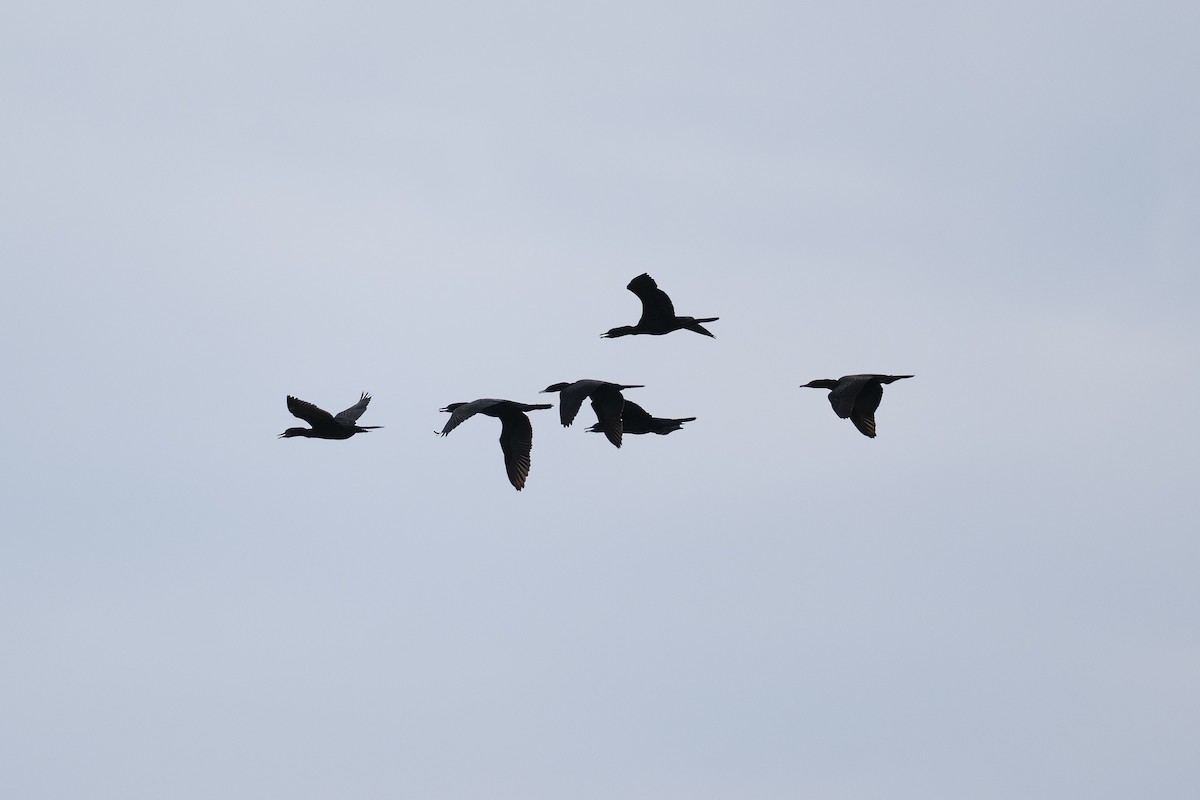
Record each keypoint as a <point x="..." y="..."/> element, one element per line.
<point x="516" y="432"/>
<point x="856" y="397"/>
<point x="326" y="425"/>
<point x="607" y="402"/>
<point x="637" y="420"/>
<point x="658" y="313"/>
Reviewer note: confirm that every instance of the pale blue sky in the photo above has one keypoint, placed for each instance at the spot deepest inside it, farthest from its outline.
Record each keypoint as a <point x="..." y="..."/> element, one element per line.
<point x="205" y="209"/>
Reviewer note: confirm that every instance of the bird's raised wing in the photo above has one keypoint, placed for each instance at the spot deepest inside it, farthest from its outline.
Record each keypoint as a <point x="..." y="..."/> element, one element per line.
<point x="308" y="412"/>
<point x="516" y="440"/>
<point x="355" y="411"/>
<point x="633" y="417"/>
<point x="656" y="306"/>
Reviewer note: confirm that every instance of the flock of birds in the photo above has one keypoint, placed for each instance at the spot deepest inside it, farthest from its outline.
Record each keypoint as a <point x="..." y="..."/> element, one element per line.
<point x="853" y="397"/>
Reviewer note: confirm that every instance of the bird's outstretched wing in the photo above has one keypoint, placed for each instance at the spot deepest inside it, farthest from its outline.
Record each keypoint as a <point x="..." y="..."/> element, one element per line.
<point x="863" y="414"/>
<point x="355" y="411"/>
<point x="844" y="395"/>
<point x="571" y="399"/>
<point x="465" y="411"/>
<point x="308" y="412"/>
<point x="516" y="440"/>
<point x="656" y="306"/>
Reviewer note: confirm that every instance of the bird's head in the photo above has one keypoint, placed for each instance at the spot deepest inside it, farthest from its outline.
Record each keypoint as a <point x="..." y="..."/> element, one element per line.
<point x="820" y="383"/>
<point x="290" y="432"/>
<point x="613" y="333"/>
<point x="555" y="387"/>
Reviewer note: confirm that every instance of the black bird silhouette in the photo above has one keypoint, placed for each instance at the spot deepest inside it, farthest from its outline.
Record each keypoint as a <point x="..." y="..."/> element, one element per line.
<point x="636" y="419"/>
<point x="607" y="402"/>
<point x="658" y="313"/>
<point x="326" y="425"/>
<point x="516" y="432"/>
<point x="856" y="397"/>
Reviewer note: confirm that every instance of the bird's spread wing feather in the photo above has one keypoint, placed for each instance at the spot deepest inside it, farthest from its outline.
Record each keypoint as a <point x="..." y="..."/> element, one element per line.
<point x="516" y="440"/>
<point x="355" y="411"/>
<point x="865" y="425"/>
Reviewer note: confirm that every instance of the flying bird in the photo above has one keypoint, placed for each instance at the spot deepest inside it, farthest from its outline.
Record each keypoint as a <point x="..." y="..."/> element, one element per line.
<point x="607" y="402"/>
<point x="856" y="397"/>
<point x="326" y="425"/>
<point x="636" y="419"/>
<point x="516" y="432"/>
<point x="658" y="313"/>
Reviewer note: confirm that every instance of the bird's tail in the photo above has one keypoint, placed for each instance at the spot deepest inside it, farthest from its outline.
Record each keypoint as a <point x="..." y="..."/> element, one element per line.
<point x="672" y="425"/>
<point x="696" y="327"/>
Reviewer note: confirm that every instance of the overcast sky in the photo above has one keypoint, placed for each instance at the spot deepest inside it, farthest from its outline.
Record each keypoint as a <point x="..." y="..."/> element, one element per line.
<point x="206" y="207"/>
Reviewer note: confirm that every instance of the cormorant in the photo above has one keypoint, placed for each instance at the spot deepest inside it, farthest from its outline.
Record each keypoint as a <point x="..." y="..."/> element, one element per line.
<point x="856" y="397"/>
<point x="516" y="432"/>
<point x="607" y="402"/>
<point x="637" y="420"/>
<point x="326" y="425"/>
<point x="658" y="313"/>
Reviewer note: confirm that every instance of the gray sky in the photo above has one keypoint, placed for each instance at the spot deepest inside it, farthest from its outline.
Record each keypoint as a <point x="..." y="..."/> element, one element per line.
<point x="205" y="209"/>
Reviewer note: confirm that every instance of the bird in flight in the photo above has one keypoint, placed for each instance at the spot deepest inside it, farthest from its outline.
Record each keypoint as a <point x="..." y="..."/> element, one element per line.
<point x="516" y="432"/>
<point x="856" y="397"/>
<point x="326" y="425"/>
<point x="636" y="419"/>
<point x="607" y="402"/>
<point x="658" y="313"/>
